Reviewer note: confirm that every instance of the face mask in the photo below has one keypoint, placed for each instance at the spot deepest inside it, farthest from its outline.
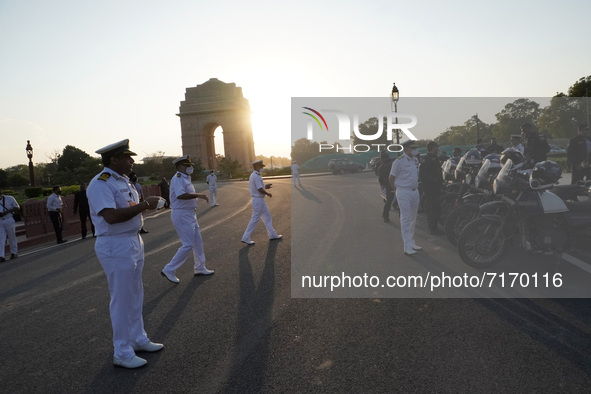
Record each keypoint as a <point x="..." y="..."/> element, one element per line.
<point x="414" y="152"/>
<point x="189" y="170"/>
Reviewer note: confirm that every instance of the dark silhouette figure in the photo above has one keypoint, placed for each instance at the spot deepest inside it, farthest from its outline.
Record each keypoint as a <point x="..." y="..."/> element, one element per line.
<point x="81" y="206"/>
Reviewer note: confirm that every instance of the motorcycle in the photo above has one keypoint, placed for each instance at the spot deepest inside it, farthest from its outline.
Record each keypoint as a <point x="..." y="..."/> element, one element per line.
<point x="529" y="212"/>
<point x="469" y="206"/>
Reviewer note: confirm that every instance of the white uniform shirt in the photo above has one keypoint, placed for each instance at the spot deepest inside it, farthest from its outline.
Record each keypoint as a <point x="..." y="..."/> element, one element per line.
<point x="179" y="185"/>
<point x="212" y="178"/>
<point x="255" y="182"/>
<point x="406" y="171"/>
<point x="54" y="202"/>
<point x="111" y="190"/>
<point x="7" y="203"/>
<point x="520" y="148"/>
<point x="295" y="169"/>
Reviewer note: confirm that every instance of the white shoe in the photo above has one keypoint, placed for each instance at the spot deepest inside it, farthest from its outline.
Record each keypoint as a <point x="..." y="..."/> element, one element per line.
<point x="276" y="238"/>
<point x="134" y="362"/>
<point x="149" y="347"/>
<point x="417" y="247"/>
<point x="202" y="271"/>
<point x="170" y="277"/>
<point x="248" y="242"/>
<point x="410" y="252"/>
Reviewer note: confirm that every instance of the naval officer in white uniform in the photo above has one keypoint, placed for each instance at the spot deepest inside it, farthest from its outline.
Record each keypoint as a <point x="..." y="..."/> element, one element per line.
<point x="117" y="216"/>
<point x="183" y="201"/>
<point x="404" y="179"/>
<point x="212" y="180"/>
<point x="260" y="210"/>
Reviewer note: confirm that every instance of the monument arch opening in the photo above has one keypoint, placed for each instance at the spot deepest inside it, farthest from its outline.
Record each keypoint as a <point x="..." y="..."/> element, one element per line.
<point x="216" y="105"/>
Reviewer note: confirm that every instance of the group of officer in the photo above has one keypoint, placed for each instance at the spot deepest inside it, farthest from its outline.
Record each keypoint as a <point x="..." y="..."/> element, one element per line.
<point x="116" y="211"/>
<point x="404" y="173"/>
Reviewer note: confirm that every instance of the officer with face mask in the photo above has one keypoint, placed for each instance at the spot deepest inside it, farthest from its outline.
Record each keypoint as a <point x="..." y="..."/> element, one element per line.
<point x="404" y="180"/>
<point x="183" y="201"/>
<point x="54" y="207"/>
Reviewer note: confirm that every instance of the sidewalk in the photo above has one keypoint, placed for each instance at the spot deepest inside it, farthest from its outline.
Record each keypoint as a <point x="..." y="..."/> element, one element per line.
<point x="71" y="233"/>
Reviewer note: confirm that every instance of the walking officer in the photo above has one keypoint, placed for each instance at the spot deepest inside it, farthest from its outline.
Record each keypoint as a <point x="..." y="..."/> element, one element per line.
<point x="431" y="180"/>
<point x="212" y="181"/>
<point x="260" y="210"/>
<point x="404" y="180"/>
<point x="116" y="212"/>
<point x="183" y="201"/>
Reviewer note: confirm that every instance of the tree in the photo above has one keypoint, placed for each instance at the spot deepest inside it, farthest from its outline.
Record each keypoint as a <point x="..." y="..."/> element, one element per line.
<point x="71" y="158"/>
<point x="229" y="166"/>
<point x="561" y="117"/>
<point x="3" y="179"/>
<point x="581" y="88"/>
<point x="304" y="150"/>
<point x="370" y="127"/>
<point x="513" y="116"/>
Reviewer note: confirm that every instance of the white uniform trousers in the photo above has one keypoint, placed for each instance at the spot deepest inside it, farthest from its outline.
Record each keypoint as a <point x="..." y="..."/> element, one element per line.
<point x="7" y="229"/>
<point x="122" y="258"/>
<point x="260" y="210"/>
<point x="213" y="195"/>
<point x="408" y="202"/>
<point x="294" y="177"/>
<point x="185" y="223"/>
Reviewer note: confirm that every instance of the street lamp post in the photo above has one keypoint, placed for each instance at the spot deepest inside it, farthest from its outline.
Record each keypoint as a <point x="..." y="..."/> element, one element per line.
<point x="29" y="150"/>
<point x="395" y="97"/>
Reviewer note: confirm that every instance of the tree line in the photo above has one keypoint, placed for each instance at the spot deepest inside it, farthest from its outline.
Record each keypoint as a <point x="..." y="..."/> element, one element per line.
<point x="558" y="120"/>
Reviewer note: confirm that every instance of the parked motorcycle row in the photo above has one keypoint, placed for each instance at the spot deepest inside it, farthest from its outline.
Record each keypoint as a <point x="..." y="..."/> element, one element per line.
<point x="493" y="203"/>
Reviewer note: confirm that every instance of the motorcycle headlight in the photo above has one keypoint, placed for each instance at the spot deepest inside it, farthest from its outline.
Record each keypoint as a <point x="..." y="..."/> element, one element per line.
<point x="468" y="179"/>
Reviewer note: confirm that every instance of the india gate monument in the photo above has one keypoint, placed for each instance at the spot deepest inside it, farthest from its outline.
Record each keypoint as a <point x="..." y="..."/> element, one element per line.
<point x="207" y="106"/>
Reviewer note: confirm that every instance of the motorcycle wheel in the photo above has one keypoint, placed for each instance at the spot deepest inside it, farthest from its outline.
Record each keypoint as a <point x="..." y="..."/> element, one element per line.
<point x="456" y="221"/>
<point x="448" y="204"/>
<point x="477" y="247"/>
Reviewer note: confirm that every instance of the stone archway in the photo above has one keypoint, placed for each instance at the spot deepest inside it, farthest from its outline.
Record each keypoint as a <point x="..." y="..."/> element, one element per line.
<point x="207" y="106"/>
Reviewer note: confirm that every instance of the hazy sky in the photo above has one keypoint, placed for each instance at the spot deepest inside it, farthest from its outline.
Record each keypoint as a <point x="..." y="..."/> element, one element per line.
<point x="89" y="73"/>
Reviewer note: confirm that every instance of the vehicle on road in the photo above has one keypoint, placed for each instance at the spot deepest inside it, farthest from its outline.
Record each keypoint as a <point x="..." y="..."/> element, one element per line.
<point x="340" y="166"/>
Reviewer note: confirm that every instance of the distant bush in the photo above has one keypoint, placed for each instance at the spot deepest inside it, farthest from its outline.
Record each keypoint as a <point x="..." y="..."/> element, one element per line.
<point x="561" y="161"/>
<point x="65" y="190"/>
<point x="33" y="192"/>
<point x="9" y="192"/>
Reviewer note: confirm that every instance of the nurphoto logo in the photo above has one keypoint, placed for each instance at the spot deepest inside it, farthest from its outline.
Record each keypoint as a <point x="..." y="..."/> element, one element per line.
<point x="344" y="129"/>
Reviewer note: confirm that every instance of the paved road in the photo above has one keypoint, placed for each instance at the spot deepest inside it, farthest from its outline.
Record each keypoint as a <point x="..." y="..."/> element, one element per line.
<point x="241" y="331"/>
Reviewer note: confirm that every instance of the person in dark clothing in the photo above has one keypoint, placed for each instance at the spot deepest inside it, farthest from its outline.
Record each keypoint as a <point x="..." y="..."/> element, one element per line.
<point x="536" y="146"/>
<point x="578" y="154"/>
<point x="480" y="147"/>
<point x="165" y="191"/>
<point x="383" y="175"/>
<point x="81" y="206"/>
<point x="431" y="180"/>
<point x="494" y="147"/>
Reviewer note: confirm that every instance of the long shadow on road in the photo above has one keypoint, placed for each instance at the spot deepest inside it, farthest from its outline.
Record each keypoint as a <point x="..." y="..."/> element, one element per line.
<point x="254" y="322"/>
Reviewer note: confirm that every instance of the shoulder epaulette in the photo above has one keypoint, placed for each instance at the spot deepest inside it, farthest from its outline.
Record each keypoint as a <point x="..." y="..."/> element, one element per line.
<point x="178" y="174"/>
<point x="104" y="176"/>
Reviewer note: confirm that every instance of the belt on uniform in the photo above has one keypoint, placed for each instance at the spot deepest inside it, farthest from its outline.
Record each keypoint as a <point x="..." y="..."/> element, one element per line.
<point x="408" y="188"/>
<point x="128" y="234"/>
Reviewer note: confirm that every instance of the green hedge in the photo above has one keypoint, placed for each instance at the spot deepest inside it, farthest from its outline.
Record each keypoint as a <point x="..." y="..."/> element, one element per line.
<point x="33" y="192"/>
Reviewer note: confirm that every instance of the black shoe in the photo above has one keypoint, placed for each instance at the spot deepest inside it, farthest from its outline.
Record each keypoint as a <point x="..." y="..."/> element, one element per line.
<point x="142" y="231"/>
<point x="2" y="260"/>
<point x="13" y="256"/>
<point x="435" y="232"/>
<point x="386" y="220"/>
<point x="62" y="241"/>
